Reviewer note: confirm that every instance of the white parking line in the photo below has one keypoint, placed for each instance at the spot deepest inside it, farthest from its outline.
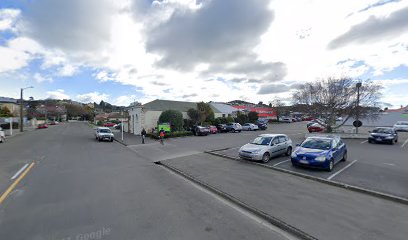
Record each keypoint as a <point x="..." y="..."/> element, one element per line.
<point x="403" y="145"/>
<point x="280" y="163"/>
<point x="364" y="141"/>
<point x="19" y="171"/>
<point x="390" y="164"/>
<point x="335" y="174"/>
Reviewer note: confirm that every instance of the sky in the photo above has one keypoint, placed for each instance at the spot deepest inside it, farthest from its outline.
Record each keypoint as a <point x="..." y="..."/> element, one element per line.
<point x="122" y="51"/>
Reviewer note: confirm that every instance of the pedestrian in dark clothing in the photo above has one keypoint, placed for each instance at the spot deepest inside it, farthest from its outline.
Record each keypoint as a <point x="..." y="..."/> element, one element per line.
<point x="143" y="135"/>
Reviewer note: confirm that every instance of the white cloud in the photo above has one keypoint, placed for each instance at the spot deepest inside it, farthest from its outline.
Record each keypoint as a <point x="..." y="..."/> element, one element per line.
<point x="39" y="78"/>
<point x="57" y="94"/>
<point x="92" y="97"/>
<point x="8" y="18"/>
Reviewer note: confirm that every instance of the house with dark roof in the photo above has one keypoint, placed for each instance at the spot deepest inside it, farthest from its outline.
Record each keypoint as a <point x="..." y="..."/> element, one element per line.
<point x="11" y="104"/>
<point x="146" y="116"/>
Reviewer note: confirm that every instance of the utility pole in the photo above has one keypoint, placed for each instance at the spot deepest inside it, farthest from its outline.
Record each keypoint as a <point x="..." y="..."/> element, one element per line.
<point x="21" y="107"/>
<point x="358" y="85"/>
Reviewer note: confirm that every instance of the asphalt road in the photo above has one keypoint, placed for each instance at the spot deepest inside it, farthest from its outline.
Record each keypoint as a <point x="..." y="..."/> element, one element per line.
<point x="83" y="189"/>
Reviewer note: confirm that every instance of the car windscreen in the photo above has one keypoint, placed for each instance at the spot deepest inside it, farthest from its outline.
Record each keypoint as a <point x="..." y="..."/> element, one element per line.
<point x="382" y="130"/>
<point x="104" y="130"/>
<point x="322" y="144"/>
<point x="262" y="141"/>
<point x="402" y="123"/>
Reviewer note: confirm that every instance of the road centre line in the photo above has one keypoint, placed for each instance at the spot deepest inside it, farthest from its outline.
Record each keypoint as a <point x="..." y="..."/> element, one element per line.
<point x="364" y="141"/>
<point x="276" y="164"/>
<point x="341" y="170"/>
<point x="403" y="145"/>
<point x="8" y="191"/>
<point x="19" y="171"/>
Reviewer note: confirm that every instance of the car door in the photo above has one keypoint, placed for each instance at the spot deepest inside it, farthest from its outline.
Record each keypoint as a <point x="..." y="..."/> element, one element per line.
<point x="274" y="147"/>
<point x="282" y="144"/>
<point x="336" y="150"/>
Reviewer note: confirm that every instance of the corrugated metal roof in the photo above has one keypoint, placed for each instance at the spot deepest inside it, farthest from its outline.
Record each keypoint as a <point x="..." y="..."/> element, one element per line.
<point x="7" y="100"/>
<point x="163" y="105"/>
<point x="223" y="108"/>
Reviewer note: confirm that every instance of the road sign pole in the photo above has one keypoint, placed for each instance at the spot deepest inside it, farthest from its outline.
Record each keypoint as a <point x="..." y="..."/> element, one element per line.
<point x="121" y="127"/>
<point x="11" y="126"/>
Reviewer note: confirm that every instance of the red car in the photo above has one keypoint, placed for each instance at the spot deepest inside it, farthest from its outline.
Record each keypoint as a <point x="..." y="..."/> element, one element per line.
<point x="315" y="127"/>
<point x="308" y="118"/>
<point x="213" y="129"/>
<point x="108" y="124"/>
<point x="42" y="126"/>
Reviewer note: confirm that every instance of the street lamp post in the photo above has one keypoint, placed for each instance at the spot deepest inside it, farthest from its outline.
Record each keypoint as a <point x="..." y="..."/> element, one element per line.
<point x="21" y="107"/>
<point x="358" y="86"/>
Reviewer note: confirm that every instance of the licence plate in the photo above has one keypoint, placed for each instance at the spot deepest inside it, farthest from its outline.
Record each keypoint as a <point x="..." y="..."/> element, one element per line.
<point x="304" y="161"/>
<point x="379" y="139"/>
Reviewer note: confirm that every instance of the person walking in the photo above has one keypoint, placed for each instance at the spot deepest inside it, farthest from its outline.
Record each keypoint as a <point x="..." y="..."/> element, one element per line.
<point x="161" y="134"/>
<point x="143" y="135"/>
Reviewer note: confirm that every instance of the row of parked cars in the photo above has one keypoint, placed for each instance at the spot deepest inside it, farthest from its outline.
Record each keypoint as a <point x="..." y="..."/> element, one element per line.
<point x="228" y="127"/>
<point x="315" y="152"/>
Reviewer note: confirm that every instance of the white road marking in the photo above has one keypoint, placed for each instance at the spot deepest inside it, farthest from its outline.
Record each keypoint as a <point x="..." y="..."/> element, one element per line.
<point x="364" y="141"/>
<point x="348" y="165"/>
<point x="403" y="145"/>
<point x="19" y="171"/>
<point x="390" y="164"/>
<point x="280" y="163"/>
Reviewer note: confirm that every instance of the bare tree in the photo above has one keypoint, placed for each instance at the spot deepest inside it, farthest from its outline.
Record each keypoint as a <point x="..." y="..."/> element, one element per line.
<point x="278" y="106"/>
<point x="334" y="97"/>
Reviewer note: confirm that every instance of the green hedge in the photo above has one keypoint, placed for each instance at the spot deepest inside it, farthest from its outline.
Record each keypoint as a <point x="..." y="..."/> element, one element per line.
<point x="170" y="135"/>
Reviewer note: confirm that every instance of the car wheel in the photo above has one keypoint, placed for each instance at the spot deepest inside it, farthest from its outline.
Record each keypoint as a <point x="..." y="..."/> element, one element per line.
<point x="111" y="139"/>
<point x="233" y="130"/>
<point x="266" y="157"/>
<point x="344" y="157"/>
<point x="331" y="165"/>
<point x="99" y="140"/>
<point x="288" y="151"/>
<point x="396" y="140"/>
<point x="239" y="131"/>
<point x="392" y="142"/>
<point x="369" y="141"/>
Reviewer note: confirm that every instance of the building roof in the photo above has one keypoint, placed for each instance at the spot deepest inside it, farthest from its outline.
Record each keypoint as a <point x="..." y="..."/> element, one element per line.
<point x="8" y="100"/>
<point x="163" y="105"/>
<point x="222" y="108"/>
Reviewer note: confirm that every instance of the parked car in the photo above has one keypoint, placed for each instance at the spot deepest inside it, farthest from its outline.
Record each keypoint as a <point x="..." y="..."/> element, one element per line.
<point x="109" y="124"/>
<point x="234" y="127"/>
<point x="118" y="126"/>
<point x="250" y="127"/>
<point x="104" y="133"/>
<point x="213" y="129"/>
<point x="285" y="119"/>
<point x="222" y="128"/>
<point x="315" y="127"/>
<point x="320" y="152"/>
<point x="2" y="135"/>
<point x="42" y="126"/>
<point x="265" y="146"/>
<point x="53" y="123"/>
<point x="401" y="126"/>
<point x="262" y="126"/>
<point x="383" y="135"/>
<point x="308" y="118"/>
<point x="200" y="131"/>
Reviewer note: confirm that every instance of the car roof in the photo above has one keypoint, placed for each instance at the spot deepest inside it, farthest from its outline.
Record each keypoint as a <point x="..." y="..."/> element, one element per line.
<point x="103" y="128"/>
<point x="271" y="135"/>
<point x="330" y="137"/>
<point x="399" y="122"/>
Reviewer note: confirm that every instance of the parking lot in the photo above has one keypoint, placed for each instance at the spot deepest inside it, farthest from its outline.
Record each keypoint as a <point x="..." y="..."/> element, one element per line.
<point x="379" y="167"/>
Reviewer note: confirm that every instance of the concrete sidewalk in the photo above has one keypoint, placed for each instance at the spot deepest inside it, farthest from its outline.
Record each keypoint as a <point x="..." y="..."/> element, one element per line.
<point x="130" y="138"/>
<point x="321" y="210"/>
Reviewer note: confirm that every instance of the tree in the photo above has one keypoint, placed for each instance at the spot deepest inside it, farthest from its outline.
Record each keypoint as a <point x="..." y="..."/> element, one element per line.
<point x="194" y="115"/>
<point x="241" y="118"/>
<point x="5" y="112"/>
<point x="278" y="106"/>
<point x="174" y="117"/>
<point x="204" y="110"/>
<point x="252" y="117"/>
<point x="334" y="97"/>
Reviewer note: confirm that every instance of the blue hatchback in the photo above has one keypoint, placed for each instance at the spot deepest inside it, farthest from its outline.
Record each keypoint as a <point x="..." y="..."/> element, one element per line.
<point x="320" y="152"/>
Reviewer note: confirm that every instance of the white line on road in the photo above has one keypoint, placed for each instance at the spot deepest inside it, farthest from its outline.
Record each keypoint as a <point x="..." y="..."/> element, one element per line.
<point x="390" y="164"/>
<point x="280" y="163"/>
<point x="364" y="141"/>
<point x="19" y="171"/>
<point x="335" y="174"/>
<point x="403" y="145"/>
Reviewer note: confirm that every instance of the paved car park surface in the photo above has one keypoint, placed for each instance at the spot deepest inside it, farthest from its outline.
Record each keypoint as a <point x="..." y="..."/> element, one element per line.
<point x="380" y="167"/>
